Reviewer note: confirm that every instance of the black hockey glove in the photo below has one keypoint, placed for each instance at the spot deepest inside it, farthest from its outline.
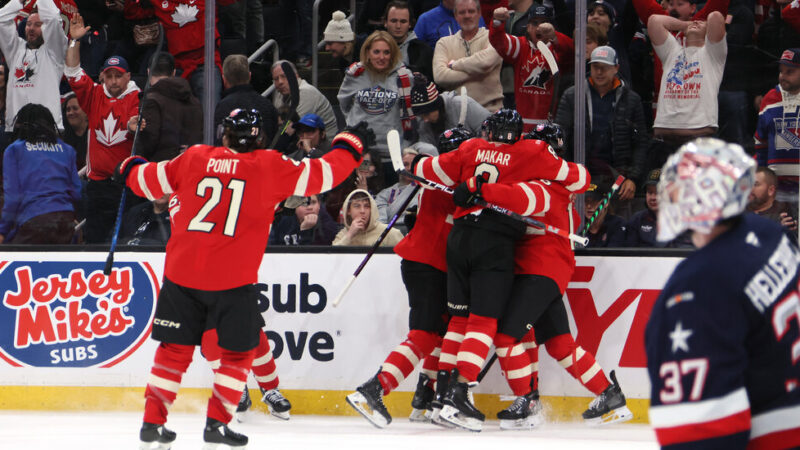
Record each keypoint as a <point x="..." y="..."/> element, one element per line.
<point x="410" y="218"/>
<point x="467" y="194"/>
<point x="355" y="139"/>
<point x="124" y="168"/>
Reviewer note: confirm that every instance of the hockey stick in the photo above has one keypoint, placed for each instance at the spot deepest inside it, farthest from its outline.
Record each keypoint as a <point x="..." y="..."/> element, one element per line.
<point x="486" y="368"/>
<point x="121" y="208"/>
<point x="393" y="139"/>
<point x="376" y="245"/>
<point x="602" y="205"/>
<point x="294" y="99"/>
<point x="551" y="61"/>
<point x="462" y="113"/>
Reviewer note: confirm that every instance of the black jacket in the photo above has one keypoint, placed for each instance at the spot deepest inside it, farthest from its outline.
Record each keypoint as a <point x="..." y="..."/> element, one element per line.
<point x="173" y="120"/>
<point x="244" y="96"/>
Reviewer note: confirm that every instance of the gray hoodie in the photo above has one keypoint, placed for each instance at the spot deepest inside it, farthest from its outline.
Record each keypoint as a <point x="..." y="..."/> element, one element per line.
<point x="476" y="114"/>
<point x="373" y="231"/>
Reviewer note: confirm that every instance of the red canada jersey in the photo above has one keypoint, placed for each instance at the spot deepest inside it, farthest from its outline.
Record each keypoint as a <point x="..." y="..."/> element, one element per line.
<point x="223" y="204"/>
<point x="541" y="253"/>
<point x="109" y="139"/>
<point x="533" y="79"/>
<point x="427" y="242"/>
<point x="525" y="160"/>
<point x="68" y="9"/>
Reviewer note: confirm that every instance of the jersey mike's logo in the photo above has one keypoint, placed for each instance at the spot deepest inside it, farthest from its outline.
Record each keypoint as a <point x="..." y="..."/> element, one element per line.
<point x="68" y="314"/>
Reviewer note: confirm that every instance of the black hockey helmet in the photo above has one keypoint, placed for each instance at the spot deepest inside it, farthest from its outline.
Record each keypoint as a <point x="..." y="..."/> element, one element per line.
<point x="548" y="132"/>
<point x="505" y="125"/>
<point x="452" y="138"/>
<point x="244" y="129"/>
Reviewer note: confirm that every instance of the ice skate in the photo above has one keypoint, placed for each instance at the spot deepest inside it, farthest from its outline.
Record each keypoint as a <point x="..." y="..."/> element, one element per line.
<point x="523" y="414"/>
<point x="217" y="433"/>
<point x="244" y="405"/>
<point x="442" y="381"/>
<point x="153" y="436"/>
<point x="277" y="403"/>
<point x="421" y="403"/>
<point x="608" y="407"/>
<point x="459" y="407"/>
<point x="368" y="401"/>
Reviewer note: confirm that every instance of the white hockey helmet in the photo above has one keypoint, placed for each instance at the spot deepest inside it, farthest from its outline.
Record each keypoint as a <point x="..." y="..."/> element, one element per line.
<point x="705" y="181"/>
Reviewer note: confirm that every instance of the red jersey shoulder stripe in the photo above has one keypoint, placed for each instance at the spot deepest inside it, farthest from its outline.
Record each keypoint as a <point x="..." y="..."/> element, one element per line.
<point x="768" y="427"/>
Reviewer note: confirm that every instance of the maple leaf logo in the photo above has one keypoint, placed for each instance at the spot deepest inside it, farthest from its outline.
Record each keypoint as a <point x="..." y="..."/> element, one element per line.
<point x="109" y="135"/>
<point x="184" y="14"/>
<point x="23" y="73"/>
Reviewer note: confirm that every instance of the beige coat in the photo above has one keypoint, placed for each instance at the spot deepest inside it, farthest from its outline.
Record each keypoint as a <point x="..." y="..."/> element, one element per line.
<point x="373" y="231"/>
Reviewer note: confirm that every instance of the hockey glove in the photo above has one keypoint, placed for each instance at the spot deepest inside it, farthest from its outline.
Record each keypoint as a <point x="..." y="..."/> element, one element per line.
<point x="410" y="218"/>
<point x="467" y="194"/>
<point x="356" y="140"/>
<point x="124" y="168"/>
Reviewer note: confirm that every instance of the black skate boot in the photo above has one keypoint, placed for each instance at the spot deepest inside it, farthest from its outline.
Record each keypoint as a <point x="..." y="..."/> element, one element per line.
<point x="368" y="401"/>
<point x="442" y="383"/>
<point x="523" y="414"/>
<point x="608" y="407"/>
<point x="459" y="408"/>
<point x="217" y="433"/>
<point x="421" y="403"/>
<point x="244" y="405"/>
<point x="153" y="436"/>
<point x="277" y="403"/>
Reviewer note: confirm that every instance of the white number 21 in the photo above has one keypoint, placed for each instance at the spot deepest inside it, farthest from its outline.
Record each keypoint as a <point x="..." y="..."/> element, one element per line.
<point x="215" y="185"/>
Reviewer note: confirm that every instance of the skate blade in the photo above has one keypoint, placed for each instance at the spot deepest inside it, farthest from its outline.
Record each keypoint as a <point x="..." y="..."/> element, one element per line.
<point x="527" y="423"/>
<point x="155" y="445"/>
<point x="621" y="414"/>
<point x="420" y="416"/>
<point x="454" y="417"/>
<point x="210" y="446"/>
<point x="280" y="415"/>
<point x="437" y="420"/>
<point x="359" y="403"/>
<point x="241" y="416"/>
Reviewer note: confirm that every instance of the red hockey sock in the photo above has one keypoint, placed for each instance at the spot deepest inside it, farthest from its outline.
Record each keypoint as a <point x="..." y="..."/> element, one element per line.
<point x="405" y="357"/>
<point x="210" y="349"/>
<point x="430" y="365"/>
<point x="229" y="382"/>
<point x="529" y="344"/>
<point x="451" y="342"/>
<point x="578" y="362"/>
<point x="477" y="341"/>
<point x="515" y="363"/>
<point x="169" y="365"/>
<point x="264" y="368"/>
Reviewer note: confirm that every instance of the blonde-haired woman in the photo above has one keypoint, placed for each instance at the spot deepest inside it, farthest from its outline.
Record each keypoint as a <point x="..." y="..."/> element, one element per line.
<point x="378" y="90"/>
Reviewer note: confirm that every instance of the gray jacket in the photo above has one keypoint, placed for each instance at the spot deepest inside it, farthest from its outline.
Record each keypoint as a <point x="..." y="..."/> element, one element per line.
<point x="476" y="114"/>
<point x="311" y="102"/>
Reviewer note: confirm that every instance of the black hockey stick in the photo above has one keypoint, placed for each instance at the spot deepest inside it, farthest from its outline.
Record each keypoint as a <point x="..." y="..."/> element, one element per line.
<point x="486" y="368"/>
<point x="393" y="140"/>
<point x="602" y="205"/>
<point x="121" y="208"/>
<point x="376" y="245"/>
<point x="294" y="98"/>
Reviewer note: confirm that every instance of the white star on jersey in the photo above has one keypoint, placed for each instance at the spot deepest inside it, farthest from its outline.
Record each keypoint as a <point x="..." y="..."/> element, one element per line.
<point x="680" y="338"/>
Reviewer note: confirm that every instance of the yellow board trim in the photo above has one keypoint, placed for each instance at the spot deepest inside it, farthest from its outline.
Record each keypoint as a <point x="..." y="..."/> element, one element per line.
<point x="194" y="400"/>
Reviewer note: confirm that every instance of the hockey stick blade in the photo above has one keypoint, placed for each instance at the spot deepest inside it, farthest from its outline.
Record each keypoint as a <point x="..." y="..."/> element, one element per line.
<point x="462" y="113"/>
<point x="344" y="290"/>
<point x="395" y="150"/>
<point x="548" y="56"/>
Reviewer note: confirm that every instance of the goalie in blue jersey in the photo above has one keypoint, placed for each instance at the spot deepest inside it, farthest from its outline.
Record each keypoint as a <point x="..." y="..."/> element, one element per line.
<point x="723" y="345"/>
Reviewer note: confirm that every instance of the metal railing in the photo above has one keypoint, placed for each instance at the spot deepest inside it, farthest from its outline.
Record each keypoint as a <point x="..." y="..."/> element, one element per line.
<point x="273" y="44"/>
<point x="315" y="36"/>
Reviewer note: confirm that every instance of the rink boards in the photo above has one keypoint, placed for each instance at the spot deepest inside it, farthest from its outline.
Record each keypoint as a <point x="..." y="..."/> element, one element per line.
<point x="71" y="338"/>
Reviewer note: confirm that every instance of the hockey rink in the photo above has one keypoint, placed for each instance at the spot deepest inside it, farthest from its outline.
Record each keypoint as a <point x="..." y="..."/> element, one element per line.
<point x="120" y="430"/>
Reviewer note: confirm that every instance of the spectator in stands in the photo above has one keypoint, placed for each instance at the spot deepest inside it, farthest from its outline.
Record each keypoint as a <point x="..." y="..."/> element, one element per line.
<point x="440" y="22"/>
<point x="534" y="88"/>
<point x="170" y="114"/>
<point x="595" y="37"/>
<point x="361" y="225"/>
<point x="139" y="37"/>
<point x="3" y="84"/>
<point x="366" y="177"/>
<point x="341" y="41"/>
<point x="777" y="143"/>
<point x="295" y="40"/>
<point x="147" y="223"/>
<point x="112" y="109"/>
<point x="641" y="227"/>
<point x="392" y="198"/>
<point x="762" y="200"/>
<point x="417" y="55"/>
<point x="76" y="125"/>
<point x="36" y="61"/>
<point x="106" y="21"/>
<point x="311" y="139"/>
<point x="303" y="224"/>
<point x="603" y="14"/>
<point x="312" y="101"/>
<point x="40" y="182"/>
<point x="438" y="113"/>
<point x="616" y="134"/>
<point x="734" y="99"/>
<point x="244" y="19"/>
<point x="371" y="17"/>
<point x="378" y="90"/>
<point x="687" y="102"/>
<point x="239" y="93"/>
<point x="467" y="59"/>
<point x="608" y="229"/>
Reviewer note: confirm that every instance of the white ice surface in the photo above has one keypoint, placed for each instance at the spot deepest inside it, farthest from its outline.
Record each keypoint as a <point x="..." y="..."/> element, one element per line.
<point x="26" y="430"/>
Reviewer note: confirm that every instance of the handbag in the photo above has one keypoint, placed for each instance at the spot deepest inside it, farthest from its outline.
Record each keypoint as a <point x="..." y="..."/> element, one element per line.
<point x="146" y="34"/>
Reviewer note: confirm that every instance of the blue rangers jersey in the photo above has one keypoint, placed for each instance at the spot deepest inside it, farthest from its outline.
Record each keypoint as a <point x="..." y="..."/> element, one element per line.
<point x="723" y="344"/>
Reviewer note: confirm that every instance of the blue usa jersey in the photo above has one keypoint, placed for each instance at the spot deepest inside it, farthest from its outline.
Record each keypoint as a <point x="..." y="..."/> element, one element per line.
<point x="723" y="344"/>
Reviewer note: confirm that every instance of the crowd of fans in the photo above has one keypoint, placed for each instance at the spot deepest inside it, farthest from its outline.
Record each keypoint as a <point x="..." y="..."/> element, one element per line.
<point x="657" y="75"/>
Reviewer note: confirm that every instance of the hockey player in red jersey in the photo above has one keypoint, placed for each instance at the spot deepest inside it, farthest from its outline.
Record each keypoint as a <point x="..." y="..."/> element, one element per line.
<point x="723" y="339"/>
<point x="480" y="247"/>
<point x="221" y="209"/>
<point x="424" y="271"/>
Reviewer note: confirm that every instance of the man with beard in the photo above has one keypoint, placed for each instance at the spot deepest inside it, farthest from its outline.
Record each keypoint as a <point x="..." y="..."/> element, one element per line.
<point x="441" y="112"/>
<point x="417" y="55"/>
<point x="35" y="63"/>
<point x="762" y="200"/>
